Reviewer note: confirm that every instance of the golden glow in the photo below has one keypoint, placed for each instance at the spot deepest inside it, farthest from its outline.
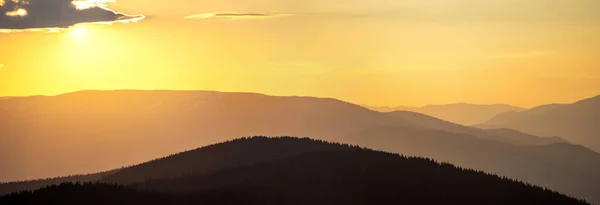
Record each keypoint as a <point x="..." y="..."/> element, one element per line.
<point x="47" y="30"/>
<point x="235" y="15"/>
<point x="86" y="4"/>
<point x="18" y="12"/>
<point x="53" y="30"/>
<point x="78" y="31"/>
<point x="524" y="55"/>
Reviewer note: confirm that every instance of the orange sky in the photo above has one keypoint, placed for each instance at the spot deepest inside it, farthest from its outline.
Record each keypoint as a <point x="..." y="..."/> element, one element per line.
<point x="382" y="52"/>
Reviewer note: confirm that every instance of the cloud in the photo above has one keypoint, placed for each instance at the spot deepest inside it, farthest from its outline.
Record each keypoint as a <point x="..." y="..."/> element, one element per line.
<point x="235" y="16"/>
<point x="36" y="15"/>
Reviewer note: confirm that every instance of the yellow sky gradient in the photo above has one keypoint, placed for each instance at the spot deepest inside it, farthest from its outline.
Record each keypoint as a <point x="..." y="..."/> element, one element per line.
<point x="382" y="52"/>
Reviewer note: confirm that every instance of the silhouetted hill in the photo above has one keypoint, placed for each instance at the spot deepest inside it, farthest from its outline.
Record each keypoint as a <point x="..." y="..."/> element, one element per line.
<point x="460" y="113"/>
<point x="340" y="174"/>
<point x="501" y="135"/>
<point x="577" y="122"/>
<point x="109" y="194"/>
<point x="211" y="158"/>
<point x="220" y="156"/>
<point x="92" y="131"/>
<point x="363" y="177"/>
<point x="7" y="188"/>
<point x="559" y="166"/>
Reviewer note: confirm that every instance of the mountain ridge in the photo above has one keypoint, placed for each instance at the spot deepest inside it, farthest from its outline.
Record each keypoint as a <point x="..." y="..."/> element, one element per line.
<point x="502" y="135"/>
<point x="459" y="113"/>
<point x="340" y="173"/>
<point x="104" y="126"/>
<point x="576" y="122"/>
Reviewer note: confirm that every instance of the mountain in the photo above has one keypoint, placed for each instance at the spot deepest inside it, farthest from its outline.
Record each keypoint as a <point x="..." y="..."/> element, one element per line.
<point x="528" y="163"/>
<point x="461" y="113"/>
<point x="39" y="135"/>
<point x="239" y="152"/>
<point x="577" y="122"/>
<point x="329" y="174"/>
<point x="7" y="188"/>
<point x="566" y="168"/>
<point x="235" y="153"/>
<point x="94" y="131"/>
<point x="501" y="135"/>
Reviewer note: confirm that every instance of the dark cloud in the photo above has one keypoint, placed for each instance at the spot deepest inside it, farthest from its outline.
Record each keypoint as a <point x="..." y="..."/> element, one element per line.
<point x="42" y="14"/>
<point x="234" y="15"/>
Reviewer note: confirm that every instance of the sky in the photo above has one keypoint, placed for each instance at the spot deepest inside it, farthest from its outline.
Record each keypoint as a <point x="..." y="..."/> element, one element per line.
<point x="377" y="52"/>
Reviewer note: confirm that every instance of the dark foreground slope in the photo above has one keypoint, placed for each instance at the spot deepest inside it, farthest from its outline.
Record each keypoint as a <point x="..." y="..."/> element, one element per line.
<point x="235" y="153"/>
<point x="11" y="187"/>
<point x="344" y="175"/>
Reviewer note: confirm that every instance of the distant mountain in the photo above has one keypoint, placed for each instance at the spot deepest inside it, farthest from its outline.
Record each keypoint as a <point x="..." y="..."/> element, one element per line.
<point x="461" y="113"/>
<point x="329" y="174"/>
<point x="501" y="135"/>
<point x="93" y="131"/>
<point x="578" y="122"/>
<point x="39" y="135"/>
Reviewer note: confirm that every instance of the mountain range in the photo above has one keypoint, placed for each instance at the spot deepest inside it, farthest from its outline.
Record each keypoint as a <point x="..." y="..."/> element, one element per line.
<point x="94" y="131"/>
<point x="290" y="170"/>
<point x="460" y="113"/>
<point x="578" y="122"/>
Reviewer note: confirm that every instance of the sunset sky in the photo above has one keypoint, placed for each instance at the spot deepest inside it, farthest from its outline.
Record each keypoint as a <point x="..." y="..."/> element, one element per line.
<point x="379" y="52"/>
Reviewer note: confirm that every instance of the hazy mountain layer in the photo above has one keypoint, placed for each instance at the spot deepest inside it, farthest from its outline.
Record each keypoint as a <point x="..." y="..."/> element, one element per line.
<point x="501" y="135"/>
<point x="461" y="113"/>
<point x="578" y="122"/>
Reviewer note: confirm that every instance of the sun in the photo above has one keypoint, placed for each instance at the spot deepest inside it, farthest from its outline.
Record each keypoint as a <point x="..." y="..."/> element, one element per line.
<point x="78" y="31"/>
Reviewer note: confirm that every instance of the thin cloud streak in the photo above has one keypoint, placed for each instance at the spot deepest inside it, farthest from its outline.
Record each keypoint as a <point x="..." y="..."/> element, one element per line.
<point x="236" y="16"/>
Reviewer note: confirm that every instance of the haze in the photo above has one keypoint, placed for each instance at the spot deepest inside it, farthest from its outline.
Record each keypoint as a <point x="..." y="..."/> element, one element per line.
<point x="410" y="53"/>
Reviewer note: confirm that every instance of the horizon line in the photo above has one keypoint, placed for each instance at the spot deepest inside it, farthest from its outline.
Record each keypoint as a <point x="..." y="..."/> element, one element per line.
<point x="274" y="95"/>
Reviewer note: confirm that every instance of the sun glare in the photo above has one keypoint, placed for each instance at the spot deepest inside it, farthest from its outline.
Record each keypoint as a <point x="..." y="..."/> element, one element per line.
<point x="18" y="12"/>
<point x="86" y="4"/>
<point x="78" y="31"/>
